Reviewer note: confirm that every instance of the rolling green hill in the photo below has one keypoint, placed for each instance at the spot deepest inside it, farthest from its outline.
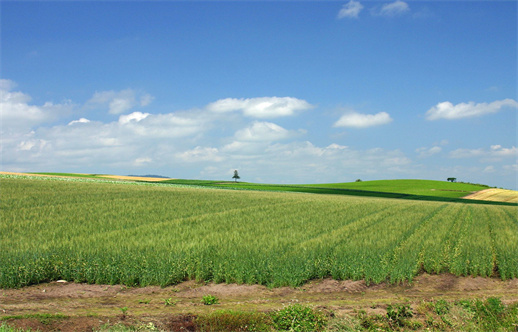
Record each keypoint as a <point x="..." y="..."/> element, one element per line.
<point x="411" y="187"/>
<point x="427" y="190"/>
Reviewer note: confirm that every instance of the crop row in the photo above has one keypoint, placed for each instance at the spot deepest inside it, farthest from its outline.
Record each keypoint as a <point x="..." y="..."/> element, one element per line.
<point x="113" y="233"/>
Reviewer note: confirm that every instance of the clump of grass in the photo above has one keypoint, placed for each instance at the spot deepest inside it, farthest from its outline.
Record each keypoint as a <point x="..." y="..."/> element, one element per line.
<point x="299" y="318"/>
<point x="209" y="300"/>
<point x="231" y="320"/>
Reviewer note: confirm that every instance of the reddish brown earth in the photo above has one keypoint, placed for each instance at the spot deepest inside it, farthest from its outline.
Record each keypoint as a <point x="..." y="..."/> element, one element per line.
<point x="89" y="306"/>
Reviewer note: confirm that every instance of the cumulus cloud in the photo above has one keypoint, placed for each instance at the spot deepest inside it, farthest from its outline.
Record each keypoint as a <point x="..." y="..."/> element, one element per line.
<point x="263" y="108"/>
<point x="395" y="8"/>
<point x="358" y="120"/>
<point x="446" y="110"/>
<point x="18" y="114"/>
<point x="135" y="116"/>
<point x="262" y="131"/>
<point x="119" y="102"/>
<point x="351" y="10"/>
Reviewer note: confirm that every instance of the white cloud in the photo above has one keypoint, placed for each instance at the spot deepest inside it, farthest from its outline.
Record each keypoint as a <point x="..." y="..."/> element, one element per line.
<point x="447" y="110"/>
<point x="263" y="108"/>
<point x="262" y="131"/>
<point x="351" y="9"/>
<point x="358" y="120"/>
<point x="135" y="116"/>
<point x="494" y="153"/>
<point x="119" y="102"/>
<point x="142" y="161"/>
<point x="395" y="8"/>
<point x="427" y="152"/>
<point x="7" y="85"/>
<point x="205" y="154"/>
<point x="32" y="145"/>
<point x="81" y="120"/>
<point x="18" y="115"/>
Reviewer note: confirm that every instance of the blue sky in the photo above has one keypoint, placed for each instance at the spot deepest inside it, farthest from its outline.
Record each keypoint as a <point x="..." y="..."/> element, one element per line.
<point x="284" y="92"/>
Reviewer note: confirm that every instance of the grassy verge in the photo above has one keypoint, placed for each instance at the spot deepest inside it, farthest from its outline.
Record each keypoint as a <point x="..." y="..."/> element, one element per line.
<point x="490" y="314"/>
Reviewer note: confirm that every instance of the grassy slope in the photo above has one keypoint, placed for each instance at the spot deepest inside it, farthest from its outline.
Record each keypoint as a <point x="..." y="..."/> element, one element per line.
<point x="427" y="190"/>
<point x="412" y="187"/>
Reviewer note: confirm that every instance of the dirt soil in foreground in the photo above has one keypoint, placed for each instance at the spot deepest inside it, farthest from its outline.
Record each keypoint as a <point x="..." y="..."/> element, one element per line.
<point x="87" y="307"/>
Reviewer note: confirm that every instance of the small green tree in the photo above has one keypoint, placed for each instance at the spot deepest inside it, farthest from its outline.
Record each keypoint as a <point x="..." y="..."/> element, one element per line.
<point x="236" y="176"/>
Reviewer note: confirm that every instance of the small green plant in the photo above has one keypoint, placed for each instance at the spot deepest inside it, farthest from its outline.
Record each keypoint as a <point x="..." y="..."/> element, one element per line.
<point x="124" y="311"/>
<point x="209" y="300"/>
<point x="170" y="302"/>
<point x="299" y="318"/>
<point x="144" y="301"/>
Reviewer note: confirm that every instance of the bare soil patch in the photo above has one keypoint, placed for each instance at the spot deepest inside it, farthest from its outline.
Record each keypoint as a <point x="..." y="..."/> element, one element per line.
<point x="90" y="306"/>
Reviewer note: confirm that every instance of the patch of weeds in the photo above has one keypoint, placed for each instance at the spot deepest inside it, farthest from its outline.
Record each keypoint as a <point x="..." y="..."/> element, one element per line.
<point x="344" y="324"/>
<point x="230" y="320"/>
<point x="492" y="314"/>
<point x="209" y="300"/>
<point x="369" y="322"/>
<point x="441" y="307"/>
<point x="42" y="318"/>
<point x="298" y="317"/>
<point x="149" y="327"/>
<point x="397" y="316"/>
<point x="144" y="301"/>
<point x="7" y="328"/>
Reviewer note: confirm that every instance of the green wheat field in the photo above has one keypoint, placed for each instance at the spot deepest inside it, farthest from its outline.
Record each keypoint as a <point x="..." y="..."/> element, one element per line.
<point x="139" y="234"/>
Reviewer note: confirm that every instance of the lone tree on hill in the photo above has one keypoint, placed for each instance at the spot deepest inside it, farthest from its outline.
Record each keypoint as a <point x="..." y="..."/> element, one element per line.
<point x="452" y="179"/>
<point x="236" y="175"/>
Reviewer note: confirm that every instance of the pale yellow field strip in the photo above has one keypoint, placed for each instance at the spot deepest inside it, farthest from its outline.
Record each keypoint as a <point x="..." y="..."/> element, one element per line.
<point x="114" y="177"/>
<point x="497" y="195"/>
<point x="133" y="178"/>
<point x="29" y="174"/>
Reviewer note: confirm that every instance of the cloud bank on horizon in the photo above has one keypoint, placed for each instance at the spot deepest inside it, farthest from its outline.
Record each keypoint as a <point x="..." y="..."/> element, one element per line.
<point x="416" y="127"/>
<point x="136" y="140"/>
